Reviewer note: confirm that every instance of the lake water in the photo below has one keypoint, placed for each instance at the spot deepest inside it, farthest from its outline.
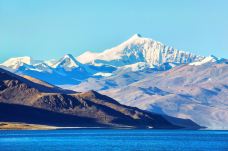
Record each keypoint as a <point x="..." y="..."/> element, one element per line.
<point x="98" y="140"/>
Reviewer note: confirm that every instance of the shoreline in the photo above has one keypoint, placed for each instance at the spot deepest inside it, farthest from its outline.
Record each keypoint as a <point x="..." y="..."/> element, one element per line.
<point x="26" y="126"/>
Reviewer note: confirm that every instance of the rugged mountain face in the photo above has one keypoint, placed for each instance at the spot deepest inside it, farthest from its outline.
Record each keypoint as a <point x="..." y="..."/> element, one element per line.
<point x="30" y="101"/>
<point x="137" y="53"/>
<point x="197" y="92"/>
<point x="139" y="49"/>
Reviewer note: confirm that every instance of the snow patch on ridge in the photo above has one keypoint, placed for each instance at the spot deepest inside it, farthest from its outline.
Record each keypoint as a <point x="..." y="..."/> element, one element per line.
<point x="208" y="59"/>
<point x="103" y="74"/>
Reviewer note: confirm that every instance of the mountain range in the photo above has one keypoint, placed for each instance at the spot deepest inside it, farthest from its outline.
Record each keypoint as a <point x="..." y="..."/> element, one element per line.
<point x="136" y="53"/>
<point x="32" y="101"/>
<point x="144" y="73"/>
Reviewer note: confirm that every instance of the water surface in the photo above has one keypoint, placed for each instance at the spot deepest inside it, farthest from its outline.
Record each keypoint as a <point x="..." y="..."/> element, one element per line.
<point x="98" y="140"/>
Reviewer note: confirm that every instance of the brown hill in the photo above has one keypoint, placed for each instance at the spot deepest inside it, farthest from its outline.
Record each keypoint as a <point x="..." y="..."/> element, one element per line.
<point x="23" y="100"/>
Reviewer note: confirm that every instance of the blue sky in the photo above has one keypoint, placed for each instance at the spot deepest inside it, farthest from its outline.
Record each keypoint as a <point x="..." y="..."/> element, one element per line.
<point x="46" y="29"/>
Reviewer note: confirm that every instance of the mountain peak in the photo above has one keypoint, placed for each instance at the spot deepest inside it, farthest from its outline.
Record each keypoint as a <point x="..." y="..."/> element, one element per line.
<point x="139" y="49"/>
<point x="137" y="36"/>
<point x="134" y="37"/>
<point x="68" y="56"/>
<point x="68" y="62"/>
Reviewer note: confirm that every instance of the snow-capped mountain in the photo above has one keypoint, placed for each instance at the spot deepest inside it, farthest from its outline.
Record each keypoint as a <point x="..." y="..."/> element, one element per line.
<point x="15" y="63"/>
<point x="135" y="54"/>
<point x="66" y="70"/>
<point x="68" y="63"/>
<point x="139" y="49"/>
<point x="144" y="73"/>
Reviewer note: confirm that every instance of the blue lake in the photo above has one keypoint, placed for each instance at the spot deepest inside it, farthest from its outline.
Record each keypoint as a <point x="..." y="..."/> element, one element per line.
<point x="98" y="140"/>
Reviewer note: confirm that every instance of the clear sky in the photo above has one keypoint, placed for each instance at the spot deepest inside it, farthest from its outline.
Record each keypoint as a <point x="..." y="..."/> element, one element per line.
<point x="46" y="29"/>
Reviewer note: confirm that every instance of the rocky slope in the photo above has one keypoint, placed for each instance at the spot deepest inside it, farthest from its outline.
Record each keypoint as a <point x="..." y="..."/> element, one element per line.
<point x="197" y="92"/>
<point x="22" y="100"/>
